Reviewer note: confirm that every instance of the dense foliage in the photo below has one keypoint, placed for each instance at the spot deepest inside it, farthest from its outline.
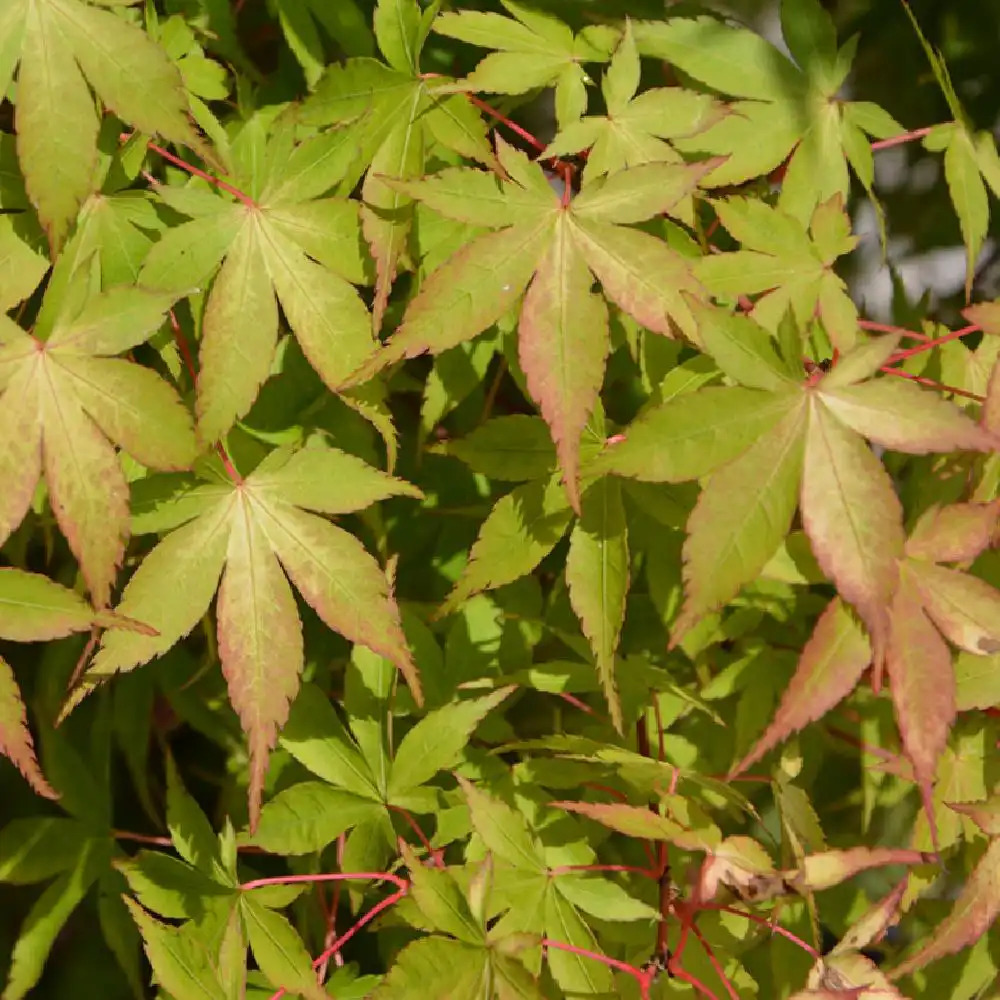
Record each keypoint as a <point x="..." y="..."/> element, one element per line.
<point x="473" y="536"/>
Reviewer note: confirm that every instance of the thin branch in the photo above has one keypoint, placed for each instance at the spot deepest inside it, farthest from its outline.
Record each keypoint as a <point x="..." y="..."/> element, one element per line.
<point x="898" y="140"/>
<point x="260" y="883"/>
<point x="931" y="383"/>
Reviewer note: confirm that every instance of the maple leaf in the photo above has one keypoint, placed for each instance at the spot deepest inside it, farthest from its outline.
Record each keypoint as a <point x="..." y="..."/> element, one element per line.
<point x="556" y="249"/>
<point x="636" y="128"/>
<point x="775" y="443"/>
<point x="527" y="523"/>
<point x="792" y="268"/>
<point x="67" y="401"/>
<point x="930" y="603"/>
<point x="393" y="117"/>
<point x="277" y="242"/>
<point x="786" y="110"/>
<point x="253" y="534"/>
<point x="61" y="49"/>
<point x="35" y="609"/>
<point x="534" y="49"/>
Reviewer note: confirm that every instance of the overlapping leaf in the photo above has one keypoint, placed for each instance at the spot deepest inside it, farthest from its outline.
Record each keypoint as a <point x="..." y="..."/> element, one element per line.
<point x="636" y="129"/>
<point x="393" y="116"/>
<point x="555" y="249"/>
<point x="752" y="442"/>
<point x="785" y="110"/>
<point x="789" y="268"/>
<point x="279" y="242"/>
<point x="60" y="49"/>
<point x="256" y="535"/>
<point x="67" y="401"/>
<point x="533" y="48"/>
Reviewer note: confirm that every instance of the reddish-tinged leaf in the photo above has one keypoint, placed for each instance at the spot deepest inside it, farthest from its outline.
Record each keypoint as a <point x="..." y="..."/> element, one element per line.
<point x="597" y="575"/>
<point x="260" y="641"/>
<point x="15" y="738"/>
<point x="690" y="436"/>
<point x="468" y="293"/>
<point x="853" y="519"/>
<point x="340" y="581"/>
<point x="829" y="868"/>
<point x="955" y="533"/>
<point x="870" y="928"/>
<point x="965" y="608"/>
<point x="87" y="488"/>
<point x="900" y="415"/>
<point x="986" y="815"/>
<point x="741" y="517"/>
<point x="832" y="662"/>
<point x="563" y="342"/>
<point x="34" y="608"/>
<point x="973" y="914"/>
<point x="635" y="821"/>
<point x="170" y="591"/>
<point x="744" y="866"/>
<point x="922" y="684"/>
<point x="861" y="363"/>
<point x="20" y="450"/>
<point x="640" y="274"/>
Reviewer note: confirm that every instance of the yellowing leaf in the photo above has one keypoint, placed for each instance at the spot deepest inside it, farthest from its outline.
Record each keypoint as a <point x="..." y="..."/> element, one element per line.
<point x="831" y="664"/>
<point x="740" y="519"/>
<point x="853" y="519"/>
<point x="921" y="682"/>
<point x="973" y="914"/>
<point x="965" y="608"/>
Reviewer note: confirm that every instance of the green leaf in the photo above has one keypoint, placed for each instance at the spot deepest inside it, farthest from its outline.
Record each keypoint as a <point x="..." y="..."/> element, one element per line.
<point x="48" y="916"/>
<point x="430" y="965"/>
<point x="438" y="896"/>
<point x="309" y="816"/>
<point x="740" y="519"/>
<point x="639" y="822"/>
<point x="504" y="831"/>
<point x="181" y="962"/>
<point x="603" y="899"/>
<point x="397" y="26"/>
<point x="513" y="448"/>
<point x="520" y="531"/>
<point x="190" y="831"/>
<point x="742" y="349"/>
<point x="687" y="437"/>
<point x="315" y="737"/>
<point x="597" y="575"/>
<point x="853" y="519"/>
<point x="279" y="950"/>
<point x="436" y="741"/>
<point x="831" y="664"/>
<point x="574" y="972"/>
<point x="37" y="848"/>
<point x="34" y="608"/>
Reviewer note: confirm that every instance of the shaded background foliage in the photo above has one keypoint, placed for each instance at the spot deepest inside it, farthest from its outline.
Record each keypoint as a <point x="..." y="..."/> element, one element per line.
<point x="118" y="742"/>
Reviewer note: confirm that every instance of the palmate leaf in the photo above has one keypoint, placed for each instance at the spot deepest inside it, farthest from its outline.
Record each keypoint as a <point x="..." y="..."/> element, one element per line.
<point x="792" y="268"/>
<point x="532" y="48"/>
<point x="636" y="128"/>
<point x="558" y="248"/>
<point x="753" y="442"/>
<point x="282" y="244"/>
<point x="395" y="116"/>
<point x="34" y="609"/>
<point x="67" y="402"/>
<point x="253" y="537"/>
<point x="784" y="111"/>
<point x="63" y="48"/>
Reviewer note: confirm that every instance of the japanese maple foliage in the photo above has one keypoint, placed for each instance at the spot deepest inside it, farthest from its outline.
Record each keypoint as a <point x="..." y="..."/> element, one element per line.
<point x="465" y="531"/>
